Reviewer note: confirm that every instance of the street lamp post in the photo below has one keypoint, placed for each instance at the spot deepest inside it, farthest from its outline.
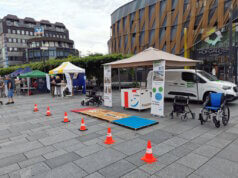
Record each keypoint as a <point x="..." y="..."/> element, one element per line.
<point x="230" y="39"/>
<point x="43" y="49"/>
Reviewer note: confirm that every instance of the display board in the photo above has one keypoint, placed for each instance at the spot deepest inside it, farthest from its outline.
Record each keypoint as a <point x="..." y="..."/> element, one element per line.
<point x="47" y="81"/>
<point x="107" y="86"/>
<point x="157" y="101"/>
<point x="69" y="82"/>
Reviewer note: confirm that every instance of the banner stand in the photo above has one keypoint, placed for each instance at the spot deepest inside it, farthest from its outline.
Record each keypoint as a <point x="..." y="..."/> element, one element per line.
<point x="107" y="86"/>
<point x="158" y="80"/>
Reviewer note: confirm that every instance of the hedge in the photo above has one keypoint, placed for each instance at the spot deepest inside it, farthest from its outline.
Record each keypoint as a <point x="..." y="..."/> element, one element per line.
<point x="92" y="64"/>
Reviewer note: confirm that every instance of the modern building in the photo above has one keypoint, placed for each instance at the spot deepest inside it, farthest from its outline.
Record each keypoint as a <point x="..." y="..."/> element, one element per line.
<point x="200" y="28"/>
<point x="26" y="40"/>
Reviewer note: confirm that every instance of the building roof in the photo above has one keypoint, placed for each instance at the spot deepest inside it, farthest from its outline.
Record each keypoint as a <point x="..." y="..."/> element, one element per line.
<point x="47" y="22"/>
<point x="29" y="19"/>
<point x="59" y="24"/>
<point x="12" y="17"/>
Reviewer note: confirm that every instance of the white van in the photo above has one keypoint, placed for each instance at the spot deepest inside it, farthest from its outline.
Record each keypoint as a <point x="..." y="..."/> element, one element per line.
<point x="188" y="81"/>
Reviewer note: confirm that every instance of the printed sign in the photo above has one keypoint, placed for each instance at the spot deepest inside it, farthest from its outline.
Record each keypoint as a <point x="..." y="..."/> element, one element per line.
<point x="157" y="101"/>
<point x="39" y="31"/>
<point x="47" y="81"/>
<point x="69" y="82"/>
<point x="107" y="86"/>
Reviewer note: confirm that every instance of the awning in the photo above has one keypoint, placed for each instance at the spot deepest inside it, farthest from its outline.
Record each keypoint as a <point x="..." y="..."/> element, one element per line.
<point x="148" y="56"/>
<point x="67" y="67"/>
<point x="16" y="73"/>
<point x="33" y="74"/>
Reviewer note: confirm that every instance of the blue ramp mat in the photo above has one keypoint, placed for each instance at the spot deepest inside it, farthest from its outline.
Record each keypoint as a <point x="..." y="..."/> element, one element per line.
<point x="134" y="122"/>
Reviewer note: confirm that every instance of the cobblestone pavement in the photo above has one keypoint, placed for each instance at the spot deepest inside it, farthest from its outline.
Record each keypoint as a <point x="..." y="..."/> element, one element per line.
<point x="33" y="145"/>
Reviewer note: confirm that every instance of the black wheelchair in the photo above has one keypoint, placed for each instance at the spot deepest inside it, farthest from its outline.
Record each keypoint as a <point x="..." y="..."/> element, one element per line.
<point x="92" y="98"/>
<point x="181" y="108"/>
<point x="216" y="109"/>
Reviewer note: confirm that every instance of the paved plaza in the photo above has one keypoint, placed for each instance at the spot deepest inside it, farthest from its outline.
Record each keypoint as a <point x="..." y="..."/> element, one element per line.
<point x="33" y="145"/>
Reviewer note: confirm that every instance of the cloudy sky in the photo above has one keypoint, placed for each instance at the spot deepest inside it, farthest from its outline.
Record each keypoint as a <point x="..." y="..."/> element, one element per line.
<point x="88" y="21"/>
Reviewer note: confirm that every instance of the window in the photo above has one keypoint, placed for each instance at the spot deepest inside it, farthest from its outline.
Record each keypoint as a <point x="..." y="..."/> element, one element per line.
<point x="188" y="77"/>
<point x="47" y="35"/>
<point x="31" y="33"/>
<point x="10" y="40"/>
<point x="16" y="23"/>
<point x="10" y="49"/>
<point x="60" y="36"/>
<point x="19" y="40"/>
<point x="14" y="40"/>
<point x="27" y="32"/>
<point x="18" y="32"/>
<point x="15" y="49"/>
<point x="57" y="36"/>
<point x="23" y="32"/>
<point x="23" y="41"/>
<point x="9" y="30"/>
<point x="14" y="31"/>
<point x="53" y="35"/>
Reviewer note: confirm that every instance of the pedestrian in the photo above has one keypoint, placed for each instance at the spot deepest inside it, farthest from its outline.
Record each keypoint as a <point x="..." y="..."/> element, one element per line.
<point x="10" y="89"/>
<point x="18" y="86"/>
<point x="2" y="87"/>
<point x="58" y="85"/>
<point x="52" y="85"/>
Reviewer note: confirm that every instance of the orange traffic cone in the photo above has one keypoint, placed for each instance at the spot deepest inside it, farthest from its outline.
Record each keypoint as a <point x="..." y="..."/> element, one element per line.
<point x="149" y="158"/>
<point x="35" y="108"/>
<point x="48" y="112"/>
<point x="66" y="120"/>
<point x="109" y="139"/>
<point x="83" y="126"/>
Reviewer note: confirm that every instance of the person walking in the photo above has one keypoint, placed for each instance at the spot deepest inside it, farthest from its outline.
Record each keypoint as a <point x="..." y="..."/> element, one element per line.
<point x="10" y="89"/>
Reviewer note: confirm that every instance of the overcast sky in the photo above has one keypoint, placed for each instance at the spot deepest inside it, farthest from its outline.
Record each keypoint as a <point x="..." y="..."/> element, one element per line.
<point x="88" y="21"/>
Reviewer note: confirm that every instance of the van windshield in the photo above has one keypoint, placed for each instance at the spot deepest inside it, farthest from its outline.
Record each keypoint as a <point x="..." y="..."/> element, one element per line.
<point x="208" y="76"/>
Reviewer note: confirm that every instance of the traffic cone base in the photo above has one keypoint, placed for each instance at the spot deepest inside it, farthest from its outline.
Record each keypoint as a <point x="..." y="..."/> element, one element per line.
<point x="109" y="141"/>
<point x="66" y="121"/>
<point x="149" y="161"/>
<point x="83" y="129"/>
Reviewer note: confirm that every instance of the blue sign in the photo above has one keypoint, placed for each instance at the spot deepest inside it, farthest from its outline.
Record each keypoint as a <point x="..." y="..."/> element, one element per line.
<point x="39" y="30"/>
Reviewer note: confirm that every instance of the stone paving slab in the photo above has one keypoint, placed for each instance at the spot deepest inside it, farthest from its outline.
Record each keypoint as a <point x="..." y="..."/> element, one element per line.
<point x="99" y="160"/>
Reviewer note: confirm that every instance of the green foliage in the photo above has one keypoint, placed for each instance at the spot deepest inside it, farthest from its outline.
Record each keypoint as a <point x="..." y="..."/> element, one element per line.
<point x="92" y="64"/>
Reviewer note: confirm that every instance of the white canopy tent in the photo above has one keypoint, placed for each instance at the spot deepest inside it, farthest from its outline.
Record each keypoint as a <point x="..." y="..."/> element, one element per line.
<point x="147" y="58"/>
<point x="67" y="67"/>
<point x="150" y="55"/>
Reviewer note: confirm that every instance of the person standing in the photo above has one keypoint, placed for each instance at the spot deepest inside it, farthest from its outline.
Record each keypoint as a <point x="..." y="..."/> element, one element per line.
<point x="10" y="90"/>
<point x="52" y="85"/>
<point x="58" y="86"/>
<point x="214" y="71"/>
<point x="1" y="87"/>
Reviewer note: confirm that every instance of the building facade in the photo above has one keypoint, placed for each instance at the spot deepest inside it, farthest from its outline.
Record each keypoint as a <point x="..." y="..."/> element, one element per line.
<point x="15" y="33"/>
<point x="140" y="24"/>
<point x="199" y="28"/>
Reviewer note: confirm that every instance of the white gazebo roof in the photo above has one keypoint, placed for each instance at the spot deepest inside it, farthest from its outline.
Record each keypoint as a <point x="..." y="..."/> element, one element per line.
<point x="67" y="67"/>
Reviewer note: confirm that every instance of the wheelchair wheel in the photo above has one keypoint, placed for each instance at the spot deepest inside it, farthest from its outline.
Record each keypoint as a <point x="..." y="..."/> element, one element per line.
<point x="87" y="103"/>
<point x="201" y="119"/>
<point x="193" y="115"/>
<point x="225" y="115"/>
<point x="82" y="103"/>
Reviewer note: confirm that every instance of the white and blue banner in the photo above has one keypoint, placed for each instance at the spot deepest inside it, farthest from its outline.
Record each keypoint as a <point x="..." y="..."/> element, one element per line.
<point x="158" y="80"/>
<point x="47" y="81"/>
<point x="107" y="86"/>
<point x="69" y="82"/>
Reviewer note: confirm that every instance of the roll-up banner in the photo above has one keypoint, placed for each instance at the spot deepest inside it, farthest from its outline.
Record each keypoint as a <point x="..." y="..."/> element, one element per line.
<point x="69" y="82"/>
<point x="157" y="102"/>
<point x="47" y="81"/>
<point x="107" y="86"/>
